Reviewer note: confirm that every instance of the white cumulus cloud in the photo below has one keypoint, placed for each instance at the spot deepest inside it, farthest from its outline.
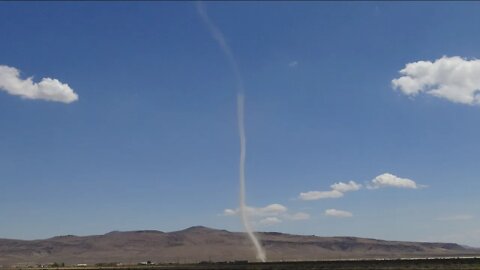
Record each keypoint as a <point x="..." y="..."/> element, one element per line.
<point x="346" y="187"/>
<point x="453" y="78"/>
<point x="47" y="89"/>
<point x="338" y="190"/>
<point x="390" y="180"/>
<point x="338" y="213"/>
<point x="273" y="209"/>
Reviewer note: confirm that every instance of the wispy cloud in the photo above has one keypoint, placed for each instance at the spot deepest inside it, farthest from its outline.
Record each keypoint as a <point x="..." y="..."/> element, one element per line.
<point x="269" y="221"/>
<point x="337" y="191"/>
<point x="270" y="214"/>
<point x="293" y="64"/>
<point x="269" y="210"/>
<point x="338" y="213"/>
<point x="453" y="78"/>
<point x="317" y="195"/>
<point x="298" y="216"/>
<point x="47" y="89"/>
<point x="390" y="180"/>
<point x="461" y="217"/>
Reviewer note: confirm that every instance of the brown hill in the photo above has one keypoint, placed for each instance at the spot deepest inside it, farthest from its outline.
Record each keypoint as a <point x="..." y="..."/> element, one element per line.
<point x="197" y="244"/>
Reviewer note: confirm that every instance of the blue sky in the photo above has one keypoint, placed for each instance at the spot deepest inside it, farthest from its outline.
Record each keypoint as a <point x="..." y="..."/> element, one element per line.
<point x="151" y="142"/>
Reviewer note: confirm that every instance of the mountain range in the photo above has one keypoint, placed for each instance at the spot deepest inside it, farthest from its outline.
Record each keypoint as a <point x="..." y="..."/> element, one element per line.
<point x="199" y="243"/>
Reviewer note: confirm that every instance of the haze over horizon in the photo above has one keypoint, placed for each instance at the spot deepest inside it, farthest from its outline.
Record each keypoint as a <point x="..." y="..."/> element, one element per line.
<point x="360" y="118"/>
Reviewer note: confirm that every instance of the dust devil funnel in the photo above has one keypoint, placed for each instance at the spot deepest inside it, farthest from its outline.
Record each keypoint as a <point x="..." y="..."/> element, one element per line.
<point x="220" y="39"/>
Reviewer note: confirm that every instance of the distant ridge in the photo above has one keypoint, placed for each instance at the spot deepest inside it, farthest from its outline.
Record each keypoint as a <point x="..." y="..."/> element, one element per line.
<point x="200" y="243"/>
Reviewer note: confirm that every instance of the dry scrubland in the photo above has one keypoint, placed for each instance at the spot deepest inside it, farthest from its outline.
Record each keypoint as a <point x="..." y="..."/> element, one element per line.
<point x="419" y="264"/>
